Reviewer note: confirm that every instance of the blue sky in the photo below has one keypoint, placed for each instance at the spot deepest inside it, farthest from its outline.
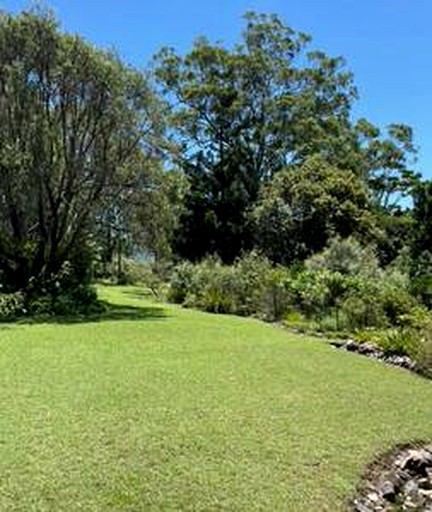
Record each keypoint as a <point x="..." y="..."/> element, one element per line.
<point x="387" y="43"/>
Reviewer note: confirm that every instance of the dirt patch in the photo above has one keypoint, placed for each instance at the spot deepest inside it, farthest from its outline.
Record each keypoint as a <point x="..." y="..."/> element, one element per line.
<point x="398" y="480"/>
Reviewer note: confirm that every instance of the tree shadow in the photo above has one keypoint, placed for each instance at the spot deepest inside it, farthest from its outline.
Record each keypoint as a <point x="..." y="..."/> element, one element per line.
<point x="125" y="312"/>
<point x="145" y="293"/>
<point x="109" y="313"/>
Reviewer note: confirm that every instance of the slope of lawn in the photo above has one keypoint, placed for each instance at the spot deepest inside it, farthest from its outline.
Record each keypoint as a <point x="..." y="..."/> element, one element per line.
<point x="157" y="408"/>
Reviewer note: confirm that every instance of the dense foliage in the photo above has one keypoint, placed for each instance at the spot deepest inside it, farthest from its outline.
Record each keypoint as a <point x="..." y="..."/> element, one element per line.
<point x="243" y="115"/>
<point x="75" y="123"/>
<point x="304" y="206"/>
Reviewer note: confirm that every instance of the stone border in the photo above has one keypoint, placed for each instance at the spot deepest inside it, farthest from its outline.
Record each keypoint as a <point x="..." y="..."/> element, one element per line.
<point x="369" y="350"/>
<point x="398" y="480"/>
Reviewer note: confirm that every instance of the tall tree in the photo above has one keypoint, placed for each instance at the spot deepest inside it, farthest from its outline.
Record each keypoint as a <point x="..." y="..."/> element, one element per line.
<point x="421" y="242"/>
<point x="241" y="115"/>
<point x="72" y="120"/>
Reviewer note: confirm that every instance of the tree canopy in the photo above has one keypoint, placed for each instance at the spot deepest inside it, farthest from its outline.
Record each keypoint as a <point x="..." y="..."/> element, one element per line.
<point x="243" y="114"/>
<point x="304" y="206"/>
<point x="74" y="120"/>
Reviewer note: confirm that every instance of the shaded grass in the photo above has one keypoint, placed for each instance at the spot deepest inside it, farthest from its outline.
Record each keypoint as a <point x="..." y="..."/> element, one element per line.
<point x="195" y="412"/>
<point x="109" y="312"/>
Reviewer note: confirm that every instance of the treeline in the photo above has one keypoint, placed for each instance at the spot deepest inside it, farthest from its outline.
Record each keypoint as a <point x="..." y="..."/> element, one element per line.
<point x="213" y="154"/>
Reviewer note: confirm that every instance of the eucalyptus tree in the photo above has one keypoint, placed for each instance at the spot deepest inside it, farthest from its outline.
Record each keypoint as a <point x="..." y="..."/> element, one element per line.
<point x="241" y="115"/>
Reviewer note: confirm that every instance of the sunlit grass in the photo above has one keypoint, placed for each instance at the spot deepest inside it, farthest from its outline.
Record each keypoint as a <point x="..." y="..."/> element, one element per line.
<point x="157" y="408"/>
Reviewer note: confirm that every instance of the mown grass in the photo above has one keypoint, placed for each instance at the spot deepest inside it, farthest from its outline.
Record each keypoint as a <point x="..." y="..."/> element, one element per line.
<point x="158" y="408"/>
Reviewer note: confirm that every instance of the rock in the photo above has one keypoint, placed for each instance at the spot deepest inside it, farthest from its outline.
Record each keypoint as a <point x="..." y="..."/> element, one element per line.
<point x="360" y="507"/>
<point x="370" y="350"/>
<point x="373" y="497"/>
<point x="413" y="503"/>
<point x="411" y="487"/>
<point x="399" y="481"/>
<point x="402" y="361"/>
<point x="367" y="349"/>
<point x="351" y="346"/>
<point x="425" y="483"/>
<point x="417" y="461"/>
<point x="388" y="491"/>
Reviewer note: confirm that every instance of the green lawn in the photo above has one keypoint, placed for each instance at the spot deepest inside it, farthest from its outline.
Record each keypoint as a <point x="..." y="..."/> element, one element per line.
<point x="157" y="408"/>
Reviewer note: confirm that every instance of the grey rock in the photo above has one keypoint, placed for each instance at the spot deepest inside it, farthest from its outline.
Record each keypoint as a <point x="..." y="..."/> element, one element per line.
<point x="411" y="487"/>
<point x="373" y="497"/>
<point x="360" y="507"/>
<point x="388" y="491"/>
<point x="425" y="483"/>
<point x="418" y="461"/>
<point x="413" y="503"/>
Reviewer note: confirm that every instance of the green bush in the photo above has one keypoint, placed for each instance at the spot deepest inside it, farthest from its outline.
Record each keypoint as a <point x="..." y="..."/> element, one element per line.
<point x="425" y="359"/>
<point x="395" y="341"/>
<point x="182" y="283"/>
<point x="12" y="306"/>
<point x="347" y="257"/>
<point x="395" y="297"/>
<point x="308" y="292"/>
<point x="254" y="281"/>
<point x="213" y="287"/>
<point x="419" y="320"/>
<point x="363" y="311"/>
<point x="401" y="342"/>
<point x="80" y="300"/>
<point x="275" y="300"/>
<point x="249" y="287"/>
<point x="327" y="300"/>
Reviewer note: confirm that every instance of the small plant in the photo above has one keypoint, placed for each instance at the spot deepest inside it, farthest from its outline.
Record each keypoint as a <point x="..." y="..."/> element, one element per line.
<point x="12" y="305"/>
<point x="401" y="342"/>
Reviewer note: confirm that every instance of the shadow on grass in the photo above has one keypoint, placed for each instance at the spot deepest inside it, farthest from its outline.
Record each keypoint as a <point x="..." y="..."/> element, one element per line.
<point x="111" y="312"/>
<point x="145" y="293"/>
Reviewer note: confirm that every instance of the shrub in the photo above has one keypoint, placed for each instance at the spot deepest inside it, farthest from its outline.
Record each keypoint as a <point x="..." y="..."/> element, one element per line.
<point x="254" y="279"/>
<point x="363" y="311"/>
<point x="181" y="283"/>
<point x="425" y="359"/>
<point x="80" y="300"/>
<point x="275" y="298"/>
<point x="395" y="296"/>
<point x="346" y="256"/>
<point x="213" y="288"/>
<point x="419" y="320"/>
<point x="249" y="287"/>
<point x="308" y="291"/>
<point x="333" y="301"/>
<point x="401" y="342"/>
<point x="12" y="306"/>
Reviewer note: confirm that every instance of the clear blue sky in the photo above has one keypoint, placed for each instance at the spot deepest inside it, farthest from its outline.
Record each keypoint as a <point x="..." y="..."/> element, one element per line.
<point x="387" y="43"/>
